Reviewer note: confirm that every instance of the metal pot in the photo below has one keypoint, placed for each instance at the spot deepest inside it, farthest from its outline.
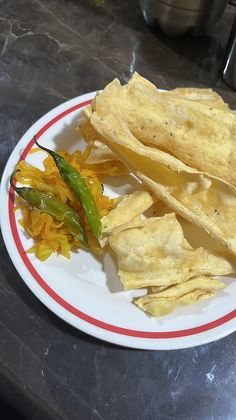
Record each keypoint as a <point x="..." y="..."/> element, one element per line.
<point x="177" y="17"/>
<point x="229" y="68"/>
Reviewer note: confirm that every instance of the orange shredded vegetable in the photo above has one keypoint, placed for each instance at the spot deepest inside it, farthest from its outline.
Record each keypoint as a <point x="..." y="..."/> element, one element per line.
<point x="50" y="235"/>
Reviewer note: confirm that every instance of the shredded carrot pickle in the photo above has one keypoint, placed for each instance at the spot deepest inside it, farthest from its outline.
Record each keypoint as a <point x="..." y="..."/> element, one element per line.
<point x="49" y="234"/>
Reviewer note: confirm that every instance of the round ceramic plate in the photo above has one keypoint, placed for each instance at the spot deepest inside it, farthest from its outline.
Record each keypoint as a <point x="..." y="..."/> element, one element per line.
<point x="85" y="291"/>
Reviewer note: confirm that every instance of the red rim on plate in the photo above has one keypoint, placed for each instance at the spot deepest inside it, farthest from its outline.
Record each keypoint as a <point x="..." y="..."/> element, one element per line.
<point x="66" y="305"/>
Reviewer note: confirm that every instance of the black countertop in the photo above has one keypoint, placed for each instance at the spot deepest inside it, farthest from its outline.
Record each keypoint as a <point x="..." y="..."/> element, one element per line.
<point x="50" y="51"/>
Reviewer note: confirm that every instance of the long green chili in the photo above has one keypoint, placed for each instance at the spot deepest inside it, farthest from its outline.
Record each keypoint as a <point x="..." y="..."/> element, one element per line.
<point x="55" y="207"/>
<point x="77" y="183"/>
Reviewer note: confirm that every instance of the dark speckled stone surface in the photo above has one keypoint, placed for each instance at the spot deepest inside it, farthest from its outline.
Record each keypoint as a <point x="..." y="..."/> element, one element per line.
<point x="52" y="50"/>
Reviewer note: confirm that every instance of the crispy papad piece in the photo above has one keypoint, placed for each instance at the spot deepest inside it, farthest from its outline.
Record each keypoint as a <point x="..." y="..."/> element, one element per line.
<point x="129" y="207"/>
<point x="153" y="252"/>
<point x="201" y="198"/>
<point x="100" y="153"/>
<point x="203" y="96"/>
<point x="192" y="124"/>
<point x="189" y="292"/>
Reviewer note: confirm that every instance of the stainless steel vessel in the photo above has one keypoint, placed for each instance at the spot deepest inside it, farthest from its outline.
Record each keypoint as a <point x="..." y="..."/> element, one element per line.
<point x="229" y="68"/>
<point x="177" y="17"/>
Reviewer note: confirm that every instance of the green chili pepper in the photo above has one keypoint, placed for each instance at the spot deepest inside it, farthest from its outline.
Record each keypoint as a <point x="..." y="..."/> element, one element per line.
<point x="55" y="207"/>
<point x="77" y="183"/>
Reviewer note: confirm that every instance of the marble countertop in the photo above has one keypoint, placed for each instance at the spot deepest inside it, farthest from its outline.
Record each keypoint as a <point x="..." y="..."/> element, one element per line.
<point x="50" y="51"/>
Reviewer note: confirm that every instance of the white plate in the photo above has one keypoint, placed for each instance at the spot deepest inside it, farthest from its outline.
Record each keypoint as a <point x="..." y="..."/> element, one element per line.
<point x="86" y="292"/>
